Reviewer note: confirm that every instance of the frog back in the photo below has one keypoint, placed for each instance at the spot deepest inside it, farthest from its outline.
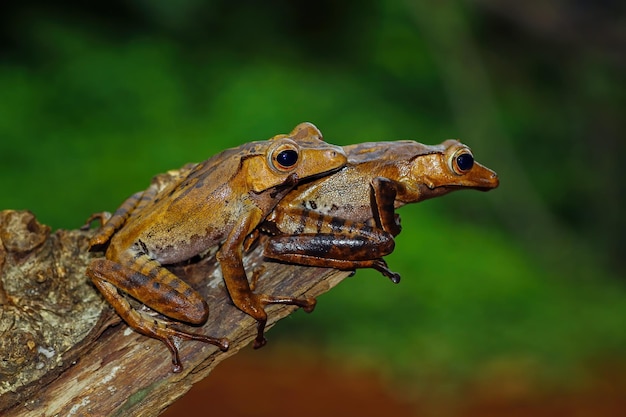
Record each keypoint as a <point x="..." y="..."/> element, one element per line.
<point x="193" y="214"/>
<point x="347" y="193"/>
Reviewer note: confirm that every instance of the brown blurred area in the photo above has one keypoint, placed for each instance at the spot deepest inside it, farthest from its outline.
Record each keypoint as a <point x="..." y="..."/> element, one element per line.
<point x="277" y="382"/>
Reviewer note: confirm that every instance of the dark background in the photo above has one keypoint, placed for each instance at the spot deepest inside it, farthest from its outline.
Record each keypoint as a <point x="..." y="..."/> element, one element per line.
<point x="526" y="280"/>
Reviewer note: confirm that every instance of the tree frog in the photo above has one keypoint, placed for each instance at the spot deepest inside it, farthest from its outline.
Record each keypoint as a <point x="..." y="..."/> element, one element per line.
<point x="216" y="202"/>
<point x="347" y="220"/>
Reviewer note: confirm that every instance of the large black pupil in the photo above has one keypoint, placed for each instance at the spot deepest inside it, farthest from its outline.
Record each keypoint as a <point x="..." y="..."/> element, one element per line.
<point x="465" y="162"/>
<point x="287" y="158"/>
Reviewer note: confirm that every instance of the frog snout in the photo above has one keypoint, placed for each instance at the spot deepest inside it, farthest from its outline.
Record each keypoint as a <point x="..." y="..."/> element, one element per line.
<point x="337" y="154"/>
<point x="494" y="180"/>
<point x="490" y="182"/>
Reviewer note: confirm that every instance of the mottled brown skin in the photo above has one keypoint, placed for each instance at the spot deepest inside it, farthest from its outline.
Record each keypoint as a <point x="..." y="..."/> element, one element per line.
<point x="216" y="202"/>
<point x="347" y="220"/>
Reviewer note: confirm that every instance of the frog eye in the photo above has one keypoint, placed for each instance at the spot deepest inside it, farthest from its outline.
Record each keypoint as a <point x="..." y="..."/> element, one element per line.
<point x="285" y="157"/>
<point x="462" y="162"/>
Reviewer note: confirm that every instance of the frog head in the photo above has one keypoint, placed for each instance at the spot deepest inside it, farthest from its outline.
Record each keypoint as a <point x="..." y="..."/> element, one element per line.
<point x="289" y="158"/>
<point x="447" y="167"/>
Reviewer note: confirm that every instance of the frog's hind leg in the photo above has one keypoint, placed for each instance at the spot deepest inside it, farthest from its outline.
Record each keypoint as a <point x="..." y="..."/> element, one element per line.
<point x="160" y="290"/>
<point x="379" y="264"/>
<point x="359" y="247"/>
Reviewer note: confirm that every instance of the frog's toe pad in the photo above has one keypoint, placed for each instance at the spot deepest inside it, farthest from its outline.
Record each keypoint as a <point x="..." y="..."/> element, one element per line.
<point x="310" y="305"/>
<point x="259" y="343"/>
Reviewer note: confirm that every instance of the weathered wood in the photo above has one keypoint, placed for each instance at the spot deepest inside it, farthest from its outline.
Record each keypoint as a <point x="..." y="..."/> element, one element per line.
<point x="64" y="352"/>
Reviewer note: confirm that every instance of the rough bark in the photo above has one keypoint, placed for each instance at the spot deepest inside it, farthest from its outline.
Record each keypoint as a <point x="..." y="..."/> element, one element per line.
<point x="64" y="352"/>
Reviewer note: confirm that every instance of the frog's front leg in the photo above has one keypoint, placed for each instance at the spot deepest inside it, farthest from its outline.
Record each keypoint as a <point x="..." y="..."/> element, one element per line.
<point x="230" y="259"/>
<point x="360" y="247"/>
<point x="158" y="289"/>
<point x="383" y="196"/>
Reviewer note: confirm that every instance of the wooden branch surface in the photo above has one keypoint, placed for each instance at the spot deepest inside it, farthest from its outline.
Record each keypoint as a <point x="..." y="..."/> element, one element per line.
<point x="64" y="352"/>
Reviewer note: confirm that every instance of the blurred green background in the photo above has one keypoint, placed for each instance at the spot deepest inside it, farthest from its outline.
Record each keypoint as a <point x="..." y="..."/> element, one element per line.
<point x="527" y="279"/>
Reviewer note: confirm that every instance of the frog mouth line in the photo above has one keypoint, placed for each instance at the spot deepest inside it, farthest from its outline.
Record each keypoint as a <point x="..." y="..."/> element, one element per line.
<point x="320" y="175"/>
<point x="437" y="190"/>
<point x="482" y="188"/>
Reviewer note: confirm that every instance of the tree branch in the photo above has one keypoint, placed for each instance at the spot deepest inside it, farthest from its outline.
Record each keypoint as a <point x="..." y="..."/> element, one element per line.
<point x="64" y="352"/>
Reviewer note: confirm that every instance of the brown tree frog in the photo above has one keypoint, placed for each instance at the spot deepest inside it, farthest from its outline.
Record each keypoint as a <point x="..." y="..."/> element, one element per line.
<point x="347" y="220"/>
<point x="216" y="202"/>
